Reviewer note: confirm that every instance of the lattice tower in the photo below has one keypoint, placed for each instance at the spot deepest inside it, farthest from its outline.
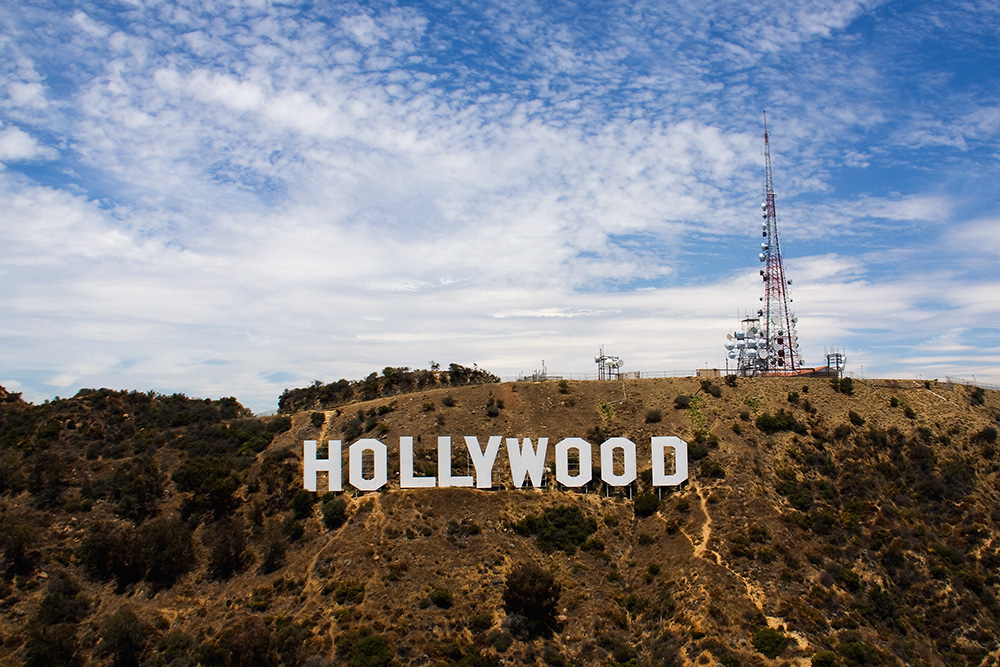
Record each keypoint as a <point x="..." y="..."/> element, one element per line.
<point x="778" y="320"/>
<point x="768" y="344"/>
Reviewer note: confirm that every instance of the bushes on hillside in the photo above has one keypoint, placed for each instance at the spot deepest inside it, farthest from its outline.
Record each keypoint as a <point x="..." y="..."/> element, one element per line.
<point x="227" y="548"/>
<point x="646" y="504"/>
<point x="167" y="550"/>
<point x="123" y="638"/>
<point x="110" y="551"/>
<point x="843" y="385"/>
<point x="334" y="513"/>
<point x="211" y="482"/>
<point x="393" y="381"/>
<point x="361" y="648"/>
<point x="530" y="598"/>
<point x="783" y="421"/>
<point x="135" y="487"/>
<point x="564" y="528"/>
<point x="770" y="642"/>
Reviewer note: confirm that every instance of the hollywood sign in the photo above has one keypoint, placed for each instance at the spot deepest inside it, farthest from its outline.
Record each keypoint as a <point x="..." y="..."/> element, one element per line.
<point x="526" y="461"/>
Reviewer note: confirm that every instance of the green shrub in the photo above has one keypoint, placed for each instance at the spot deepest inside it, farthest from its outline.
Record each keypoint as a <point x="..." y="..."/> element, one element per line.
<point x="824" y="659"/>
<point x="646" y="504"/>
<point x="111" y="551"/>
<point x="361" y="648"/>
<point x="564" y="528"/>
<point x="345" y="594"/>
<point x="682" y="402"/>
<point x="352" y="429"/>
<point x="783" y="421"/>
<point x="135" y="487"/>
<point x="531" y="595"/>
<point x="859" y="654"/>
<point x="712" y="470"/>
<point x="167" y="550"/>
<point x="711" y="389"/>
<point x="481" y="621"/>
<point x="226" y="543"/>
<point x="123" y="637"/>
<point x="64" y="602"/>
<point x="855" y="418"/>
<point x="334" y="513"/>
<point x="302" y="503"/>
<point x="49" y="645"/>
<point x="654" y="416"/>
<point x="987" y="436"/>
<point x="697" y="451"/>
<point x="441" y="597"/>
<point x="770" y="642"/>
<point x="211" y="482"/>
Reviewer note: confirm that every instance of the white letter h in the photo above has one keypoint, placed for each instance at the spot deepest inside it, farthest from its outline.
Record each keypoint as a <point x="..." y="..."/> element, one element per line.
<point x="311" y="465"/>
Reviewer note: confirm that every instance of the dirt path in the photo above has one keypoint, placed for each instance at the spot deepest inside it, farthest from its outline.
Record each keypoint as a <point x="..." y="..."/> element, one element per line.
<point x="700" y="546"/>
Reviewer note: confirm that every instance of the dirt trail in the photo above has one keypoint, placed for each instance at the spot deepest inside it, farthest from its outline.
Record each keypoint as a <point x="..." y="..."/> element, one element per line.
<point x="700" y="546"/>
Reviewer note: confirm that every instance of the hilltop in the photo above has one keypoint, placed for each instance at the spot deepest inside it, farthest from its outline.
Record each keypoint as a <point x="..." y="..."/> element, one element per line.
<point x="823" y="523"/>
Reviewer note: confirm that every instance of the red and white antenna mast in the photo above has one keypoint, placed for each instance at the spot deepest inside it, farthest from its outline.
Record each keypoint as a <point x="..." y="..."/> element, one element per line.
<point x="778" y="320"/>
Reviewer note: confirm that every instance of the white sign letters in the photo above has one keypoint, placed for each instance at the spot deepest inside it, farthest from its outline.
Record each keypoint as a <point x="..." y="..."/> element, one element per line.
<point x="527" y="461"/>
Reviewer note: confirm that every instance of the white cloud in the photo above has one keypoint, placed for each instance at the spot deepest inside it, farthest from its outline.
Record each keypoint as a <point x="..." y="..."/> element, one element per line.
<point x="16" y="144"/>
<point x="978" y="236"/>
<point x="322" y="192"/>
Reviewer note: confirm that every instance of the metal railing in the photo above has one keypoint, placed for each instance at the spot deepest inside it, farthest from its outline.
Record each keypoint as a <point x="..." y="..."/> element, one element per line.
<point x="628" y="375"/>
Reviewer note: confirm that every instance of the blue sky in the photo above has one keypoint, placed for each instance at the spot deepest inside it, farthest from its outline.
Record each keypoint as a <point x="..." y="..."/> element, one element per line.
<point x="234" y="198"/>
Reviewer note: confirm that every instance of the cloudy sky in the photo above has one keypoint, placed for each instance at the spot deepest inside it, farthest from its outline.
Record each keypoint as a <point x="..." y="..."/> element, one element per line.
<point x="223" y="198"/>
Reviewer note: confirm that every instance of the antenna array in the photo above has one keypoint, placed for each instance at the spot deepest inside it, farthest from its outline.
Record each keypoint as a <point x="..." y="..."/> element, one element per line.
<point x="768" y="344"/>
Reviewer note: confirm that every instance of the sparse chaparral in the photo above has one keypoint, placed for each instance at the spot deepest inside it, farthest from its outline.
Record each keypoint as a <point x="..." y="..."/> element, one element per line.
<point x="823" y="521"/>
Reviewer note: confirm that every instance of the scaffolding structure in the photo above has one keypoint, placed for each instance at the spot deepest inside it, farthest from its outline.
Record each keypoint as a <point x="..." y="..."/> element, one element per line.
<point x="608" y="367"/>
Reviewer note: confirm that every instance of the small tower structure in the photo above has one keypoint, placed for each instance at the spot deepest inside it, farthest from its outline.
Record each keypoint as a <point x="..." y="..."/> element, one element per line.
<point x="608" y="367"/>
<point x="769" y="343"/>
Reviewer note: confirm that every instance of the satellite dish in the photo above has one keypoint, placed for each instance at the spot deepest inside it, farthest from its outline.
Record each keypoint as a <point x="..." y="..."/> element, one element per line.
<point x="762" y="353"/>
<point x="763" y="205"/>
<point x="741" y="334"/>
<point x="761" y="257"/>
<point x="729" y="336"/>
<point x="763" y="246"/>
<point x="730" y="345"/>
<point x="732" y="355"/>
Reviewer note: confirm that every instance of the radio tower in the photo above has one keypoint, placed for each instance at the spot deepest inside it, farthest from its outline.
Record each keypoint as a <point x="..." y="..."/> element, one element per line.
<point x="768" y="344"/>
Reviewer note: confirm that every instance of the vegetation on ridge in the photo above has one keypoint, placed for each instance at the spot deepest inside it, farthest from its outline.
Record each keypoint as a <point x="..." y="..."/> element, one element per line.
<point x="818" y="525"/>
<point x="392" y="382"/>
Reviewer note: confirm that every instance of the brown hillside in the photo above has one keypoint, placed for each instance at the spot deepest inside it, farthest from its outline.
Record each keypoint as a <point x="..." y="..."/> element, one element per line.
<point x="846" y="529"/>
